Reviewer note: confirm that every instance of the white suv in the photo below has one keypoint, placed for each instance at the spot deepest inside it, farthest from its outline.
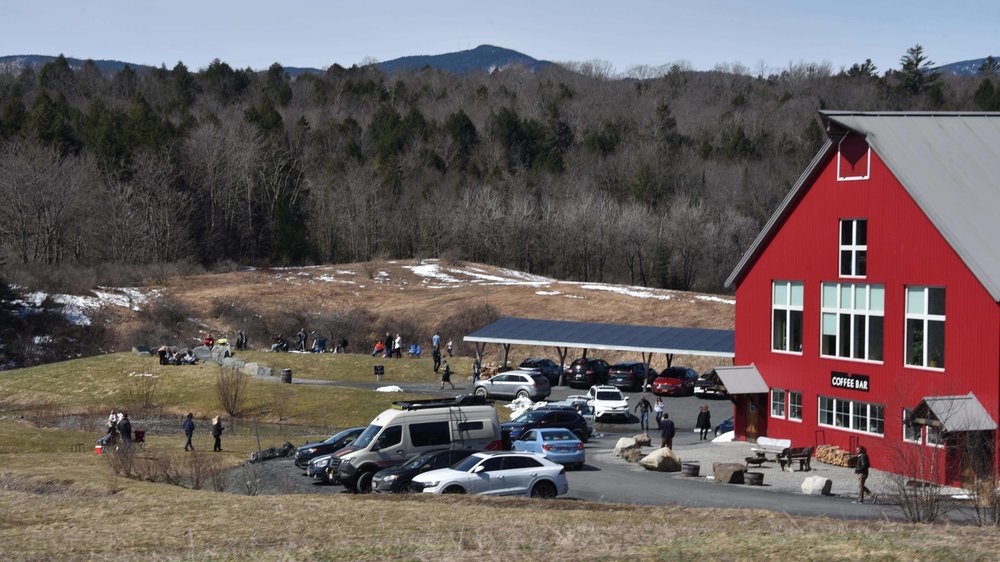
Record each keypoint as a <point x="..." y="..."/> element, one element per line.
<point x="497" y="474"/>
<point x="608" y="401"/>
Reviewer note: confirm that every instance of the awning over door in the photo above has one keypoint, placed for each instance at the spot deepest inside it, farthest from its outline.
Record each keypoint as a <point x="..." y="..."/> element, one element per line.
<point x="952" y="413"/>
<point x="742" y="379"/>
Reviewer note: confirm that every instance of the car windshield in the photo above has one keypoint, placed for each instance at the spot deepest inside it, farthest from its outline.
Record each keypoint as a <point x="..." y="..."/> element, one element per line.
<point x="529" y="417"/>
<point x="608" y="395"/>
<point x="564" y="435"/>
<point x="366" y="436"/>
<point x="466" y="464"/>
<point x="338" y="436"/>
<point x="418" y="460"/>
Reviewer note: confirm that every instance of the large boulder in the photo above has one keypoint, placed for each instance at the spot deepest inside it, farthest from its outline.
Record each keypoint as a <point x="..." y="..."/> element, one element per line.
<point x="728" y="472"/>
<point x="220" y="352"/>
<point x="632" y="455"/>
<point x="643" y="439"/>
<point x="256" y="369"/>
<point x="817" y="486"/>
<point x="203" y="353"/>
<point x="233" y="362"/>
<point x="662" y="460"/>
<point x="624" y="444"/>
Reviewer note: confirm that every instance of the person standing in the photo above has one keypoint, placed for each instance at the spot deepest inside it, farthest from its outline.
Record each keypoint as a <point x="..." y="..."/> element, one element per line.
<point x="300" y="340"/>
<point x="477" y="369"/>
<point x="388" y="345"/>
<point x="658" y="410"/>
<point x="397" y="346"/>
<point x="125" y="429"/>
<point x="437" y="359"/>
<point x="643" y="407"/>
<point x="446" y="375"/>
<point x="667" y="431"/>
<point x="188" y="431"/>
<point x="449" y="346"/>
<point x="704" y="422"/>
<point x="217" y="433"/>
<point x="436" y="342"/>
<point x="863" y="463"/>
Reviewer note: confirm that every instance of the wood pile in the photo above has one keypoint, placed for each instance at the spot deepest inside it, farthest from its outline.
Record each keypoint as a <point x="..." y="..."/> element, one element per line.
<point x="834" y="455"/>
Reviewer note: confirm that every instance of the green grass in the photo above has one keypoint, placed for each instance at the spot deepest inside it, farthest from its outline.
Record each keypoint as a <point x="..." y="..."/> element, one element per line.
<point x="356" y="367"/>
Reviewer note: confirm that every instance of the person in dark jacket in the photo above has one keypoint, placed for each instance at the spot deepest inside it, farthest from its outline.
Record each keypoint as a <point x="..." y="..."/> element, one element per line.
<point x="125" y="429"/>
<point x="446" y="375"/>
<point x="667" y="431"/>
<point x="643" y="407"/>
<point x="188" y="431"/>
<point x="704" y="422"/>
<point x="863" y="463"/>
<point x="217" y="433"/>
<point x="437" y="359"/>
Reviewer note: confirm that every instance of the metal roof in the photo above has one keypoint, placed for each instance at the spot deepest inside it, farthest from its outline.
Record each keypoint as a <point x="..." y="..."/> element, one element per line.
<point x="956" y="413"/>
<point x="742" y="379"/>
<point x="948" y="162"/>
<point x="619" y="337"/>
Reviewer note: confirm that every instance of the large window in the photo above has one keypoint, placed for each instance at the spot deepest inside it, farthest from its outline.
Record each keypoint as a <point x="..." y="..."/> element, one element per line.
<point x="786" y="325"/>
<point x="913" y="432"/>
<point x="795" y="405"/>
<point x="852" y="414"/>
<point x="777" y="403"/>
<point x="853" y="248"/>
<point x="852" y="317"/>
<point x="925" y="327"/>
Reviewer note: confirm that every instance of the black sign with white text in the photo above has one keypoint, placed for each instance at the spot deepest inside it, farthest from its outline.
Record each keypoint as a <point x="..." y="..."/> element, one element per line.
<point x="850" y="382"/>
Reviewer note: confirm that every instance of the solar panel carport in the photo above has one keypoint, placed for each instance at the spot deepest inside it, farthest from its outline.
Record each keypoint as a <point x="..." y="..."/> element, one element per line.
<point x="563" y="335"/>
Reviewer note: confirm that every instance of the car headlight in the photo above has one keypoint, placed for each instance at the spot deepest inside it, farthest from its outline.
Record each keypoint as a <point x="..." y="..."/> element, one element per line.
<point x="390" y="478"/>
<point x="432" y="484"/>
<point x="322" y="462"/>
<point x="347" y="461"/>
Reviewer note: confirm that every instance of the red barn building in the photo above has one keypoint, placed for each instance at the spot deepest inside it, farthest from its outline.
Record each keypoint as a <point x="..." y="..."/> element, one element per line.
<point x="868" y="309"/>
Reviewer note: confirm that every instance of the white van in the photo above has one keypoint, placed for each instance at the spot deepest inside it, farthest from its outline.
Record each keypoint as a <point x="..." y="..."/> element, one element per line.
<point x="411" y="428"/>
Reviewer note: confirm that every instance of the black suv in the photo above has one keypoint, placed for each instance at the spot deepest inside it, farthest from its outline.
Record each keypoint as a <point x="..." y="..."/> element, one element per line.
<point x="547" y="367"/>
<point x="585" y="373"/>
<point x="543" y="417"/>
<point x="631" y="376"/>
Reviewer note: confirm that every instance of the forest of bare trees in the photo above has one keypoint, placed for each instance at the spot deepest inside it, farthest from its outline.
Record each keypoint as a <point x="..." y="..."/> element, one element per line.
<point x="659" y="179"/>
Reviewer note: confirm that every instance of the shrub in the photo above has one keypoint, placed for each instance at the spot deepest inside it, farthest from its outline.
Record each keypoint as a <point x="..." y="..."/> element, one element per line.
<point x="230" y="386"/>
<point x="465" y="321"/>
<point x="140" y="391"/>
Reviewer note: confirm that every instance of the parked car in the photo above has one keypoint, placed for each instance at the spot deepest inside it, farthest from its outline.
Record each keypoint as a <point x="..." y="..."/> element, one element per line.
<point x="557" y="445"/>
<point x="397" y="479"/>
<point x="545" y="417"/>
<point x="608" y="402"/>
<point x="309" y="451"/>
<point x="709" y="384"/>
<point x="675" y="381"/>
<point x="578" y="405"/>
<point x="724" y="427"/>
<point x="320" y="467"/>
<point x="547" y="367"/>
<point x="514" y="384"/>
<point x="631" y="376"/>
<point x="499" y="474"/>
<point x="584" y="372"/>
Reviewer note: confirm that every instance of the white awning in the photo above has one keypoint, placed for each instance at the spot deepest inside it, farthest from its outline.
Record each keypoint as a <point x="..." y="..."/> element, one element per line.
<point x="952" y="413"/>
<point x="742" y="379"/>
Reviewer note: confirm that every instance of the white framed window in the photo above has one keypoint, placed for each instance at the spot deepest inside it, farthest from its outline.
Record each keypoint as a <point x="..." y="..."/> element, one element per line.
<point x="925" y="327"/>
<point x="911" y="433"/>
<point x="854" y="159"/>
<point x="852" y="415"/>
<point x="934" y="436"/>
<point x="794" y="405"/>
<point x="853" y="247"/>
<point x="777" y="403"/>
<point x="786" y="316"/>
<point x="853" y="321"/>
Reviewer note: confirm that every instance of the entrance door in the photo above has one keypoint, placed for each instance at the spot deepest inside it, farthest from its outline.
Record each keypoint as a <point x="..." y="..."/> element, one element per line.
<point x="752" y="411"/>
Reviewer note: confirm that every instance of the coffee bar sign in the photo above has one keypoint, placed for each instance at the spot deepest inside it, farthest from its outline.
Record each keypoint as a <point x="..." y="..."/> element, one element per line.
<point x="850" y="382"/>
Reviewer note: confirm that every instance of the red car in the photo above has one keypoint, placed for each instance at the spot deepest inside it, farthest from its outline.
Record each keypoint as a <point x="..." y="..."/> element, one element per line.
<point x="675" y="381"/>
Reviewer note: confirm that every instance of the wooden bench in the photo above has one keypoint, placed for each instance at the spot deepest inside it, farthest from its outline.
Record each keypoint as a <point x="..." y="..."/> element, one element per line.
<point x="801" y="454"/>
<point x="769" y="449"/>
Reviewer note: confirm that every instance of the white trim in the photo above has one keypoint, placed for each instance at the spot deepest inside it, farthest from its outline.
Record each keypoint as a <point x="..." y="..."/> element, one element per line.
<point x="869" y="418"/>
<point x="784" y="403"/>
<point x="852" y="311"/>
<point x="868" y="164"/>
<point x="788" y="395"/>
<point x="787" y="307"/>
<point x="853" y="247"/>
<point x="926" y="318"/>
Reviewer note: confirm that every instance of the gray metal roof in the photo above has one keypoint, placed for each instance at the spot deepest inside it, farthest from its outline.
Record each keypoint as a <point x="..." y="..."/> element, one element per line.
<point x="948" y="162"/>
<point x="742" y="379"/>
<point x="619" y="337"/>
<point x="956" y="413"/>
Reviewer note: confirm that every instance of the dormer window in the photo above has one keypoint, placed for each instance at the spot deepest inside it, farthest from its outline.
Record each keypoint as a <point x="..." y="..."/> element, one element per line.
<point x="853" y="248"/>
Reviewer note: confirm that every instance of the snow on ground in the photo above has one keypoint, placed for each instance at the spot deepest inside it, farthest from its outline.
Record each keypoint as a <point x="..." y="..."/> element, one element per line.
<point x="76" y="308"/>
<point x="627" y="291"/>
<point x="711" y="298"/>
<point x="548" y="292"/>
<point x="431" y="271"/>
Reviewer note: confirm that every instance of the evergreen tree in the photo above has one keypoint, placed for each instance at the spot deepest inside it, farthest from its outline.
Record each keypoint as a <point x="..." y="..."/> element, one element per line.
<point x="915" y="74"/>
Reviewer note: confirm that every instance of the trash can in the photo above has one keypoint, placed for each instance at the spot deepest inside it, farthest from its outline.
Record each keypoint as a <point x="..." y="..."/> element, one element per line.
<point x="690" y="468"/>
<point x="286" y="376"/>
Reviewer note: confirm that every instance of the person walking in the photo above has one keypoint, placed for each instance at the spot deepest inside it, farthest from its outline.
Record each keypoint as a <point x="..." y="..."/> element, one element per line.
<point x="477" y="370"/>
<point x="446" y="375"/>
<point x="667" y="431"/>
<point x="397" y="346"/>
<point x="188" y="431"/>
<point x="643" y="407"/>
<point x="658" y="410"/>
<point x="125" y="429"/>
<point x="704" y="422"/>
<point x="863" y="463"/>
<point x="437" y="359"/>
<point x="217" y="433"/>
<point x="449" y="347"/>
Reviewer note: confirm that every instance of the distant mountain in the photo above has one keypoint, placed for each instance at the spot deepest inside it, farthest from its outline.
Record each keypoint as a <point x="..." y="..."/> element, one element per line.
<point x="15" y="63"/>
<point x="484" y="58"/>
<point x="963" y="68"/>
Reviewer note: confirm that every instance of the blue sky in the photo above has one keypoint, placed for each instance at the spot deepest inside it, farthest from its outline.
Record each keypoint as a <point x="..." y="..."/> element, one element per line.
<point x="254" y="33"/>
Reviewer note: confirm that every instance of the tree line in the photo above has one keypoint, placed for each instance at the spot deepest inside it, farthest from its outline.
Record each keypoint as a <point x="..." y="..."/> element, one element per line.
<point x="659" y="178"/>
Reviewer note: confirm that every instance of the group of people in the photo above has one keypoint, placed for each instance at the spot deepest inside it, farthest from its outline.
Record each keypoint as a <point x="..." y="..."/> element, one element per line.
<point x="666" y="425"/>
<point x="188" y="427"/>
<point x="173" y="356"/>
<point x="119" y="429"/>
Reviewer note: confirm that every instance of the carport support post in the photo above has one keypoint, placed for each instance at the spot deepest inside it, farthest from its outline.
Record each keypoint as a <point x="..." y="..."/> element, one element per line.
<point x="480" y="351"/>
<point x="562" y="351"/>
<point x="506" y="350"/>
<point x="647" y="358"/>
<point x="670" y="360"/>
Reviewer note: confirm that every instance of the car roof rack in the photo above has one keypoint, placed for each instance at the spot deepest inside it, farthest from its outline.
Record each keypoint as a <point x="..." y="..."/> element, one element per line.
<point x="460" y="400"/>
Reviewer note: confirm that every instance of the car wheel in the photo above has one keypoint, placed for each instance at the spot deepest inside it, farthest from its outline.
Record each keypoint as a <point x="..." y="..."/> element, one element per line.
<point x="481" y="392"/>
<point x="364" y="484"/>
<point x="522" y="394"/>
<point x="453" y="489"/>
<point x="544" y="490"/>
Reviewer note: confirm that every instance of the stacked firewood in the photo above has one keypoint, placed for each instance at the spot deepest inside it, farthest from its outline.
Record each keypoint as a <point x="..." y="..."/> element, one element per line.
<point x="831" y="454"/>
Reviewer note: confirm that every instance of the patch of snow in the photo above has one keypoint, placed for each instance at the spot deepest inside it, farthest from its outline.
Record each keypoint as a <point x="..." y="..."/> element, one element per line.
<point x="432" y="271"/>
<point x="497" y="280"/>
<point x="519" y="406"/>
<point x="332" y="279"/>
<point x="715" y="299"/>
<point x="726" y="437"/>
<point x="143" y="375"/>
<point x="627" y="291"/>
<point x="573" y="297"/>
<point x="548" y="292"/>
<point x="382" y="274"/>
<point x="391" y="388"/>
